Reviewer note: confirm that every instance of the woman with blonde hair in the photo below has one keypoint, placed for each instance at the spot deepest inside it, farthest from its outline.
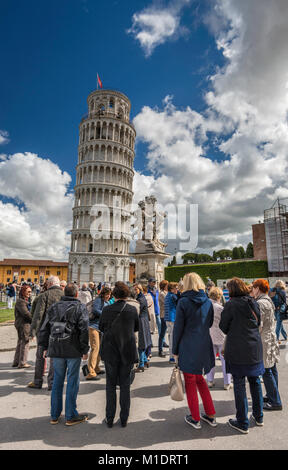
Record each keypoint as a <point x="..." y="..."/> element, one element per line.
<point x="193" y="349"/>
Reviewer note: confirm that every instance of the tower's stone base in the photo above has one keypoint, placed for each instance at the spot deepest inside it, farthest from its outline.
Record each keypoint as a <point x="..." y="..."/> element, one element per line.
<point x="98" y="268"/>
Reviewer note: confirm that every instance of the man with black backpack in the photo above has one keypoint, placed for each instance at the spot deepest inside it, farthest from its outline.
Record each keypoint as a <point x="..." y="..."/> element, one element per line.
<point x="64" y="336"/>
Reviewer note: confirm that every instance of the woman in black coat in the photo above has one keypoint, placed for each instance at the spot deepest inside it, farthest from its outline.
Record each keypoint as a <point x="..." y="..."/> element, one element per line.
<point x="144" y="335"/>
<point x="240" y="321"/>
<point x="118" y="350"/>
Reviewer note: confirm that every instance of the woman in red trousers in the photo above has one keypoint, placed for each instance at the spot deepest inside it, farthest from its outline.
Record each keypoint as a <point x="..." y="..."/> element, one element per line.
<point x="193" y="348"/>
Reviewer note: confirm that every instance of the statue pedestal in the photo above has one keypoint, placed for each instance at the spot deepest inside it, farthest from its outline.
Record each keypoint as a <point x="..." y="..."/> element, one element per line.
<point x="149" y="265"/>
<point x="150" y="251"/>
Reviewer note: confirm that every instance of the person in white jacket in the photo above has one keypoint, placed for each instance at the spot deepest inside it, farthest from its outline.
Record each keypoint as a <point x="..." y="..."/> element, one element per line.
<point x="218" y="338"/>
<point x="84" y="295"/>
<point x="151" y="310"/>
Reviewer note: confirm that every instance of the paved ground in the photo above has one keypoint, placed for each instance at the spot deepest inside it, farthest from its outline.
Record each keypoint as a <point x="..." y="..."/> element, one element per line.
<point x="8" y="337"/>
<point x="156" y="422"/>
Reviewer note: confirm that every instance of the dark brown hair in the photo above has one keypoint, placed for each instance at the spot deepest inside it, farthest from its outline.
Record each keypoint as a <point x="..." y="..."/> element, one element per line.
<point x="237" y="287"/>
<point x="104" y="291"/>
<point x="121" y="290"/>
<point x="163" y="284"/>
<point x="172" y="285"/>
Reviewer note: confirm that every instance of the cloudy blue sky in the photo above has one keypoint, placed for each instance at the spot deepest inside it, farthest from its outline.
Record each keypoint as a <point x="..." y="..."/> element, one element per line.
<point x="208" y="83"/>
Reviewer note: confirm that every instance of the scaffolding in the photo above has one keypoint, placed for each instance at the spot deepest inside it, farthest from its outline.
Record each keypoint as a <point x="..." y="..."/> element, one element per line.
<point x="276" y="228"/>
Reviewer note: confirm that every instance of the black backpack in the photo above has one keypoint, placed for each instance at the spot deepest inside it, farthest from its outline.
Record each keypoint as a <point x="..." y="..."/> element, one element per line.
<point x="63" y="329"/>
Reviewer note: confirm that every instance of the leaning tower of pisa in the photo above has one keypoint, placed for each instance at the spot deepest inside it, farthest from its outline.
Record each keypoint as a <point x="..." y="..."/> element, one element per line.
<point x="100" y="236"/>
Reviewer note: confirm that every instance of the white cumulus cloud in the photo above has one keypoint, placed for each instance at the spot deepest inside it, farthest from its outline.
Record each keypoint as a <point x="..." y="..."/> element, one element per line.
<point x="245" y="119"/>
<point x="38" y="215"/>
<point x="155" y="25"/>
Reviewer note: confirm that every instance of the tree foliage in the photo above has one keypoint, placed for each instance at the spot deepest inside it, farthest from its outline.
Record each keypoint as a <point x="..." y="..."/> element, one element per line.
<point x="250" y="250"/>
<point x="242" y="252"/>
<point x="238" y="252"/>
<point x="173" y="262"/>
<point x="196" y="258"/>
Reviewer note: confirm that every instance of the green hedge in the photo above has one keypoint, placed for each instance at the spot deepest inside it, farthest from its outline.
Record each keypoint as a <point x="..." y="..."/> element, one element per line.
<point x="242" y="269"/>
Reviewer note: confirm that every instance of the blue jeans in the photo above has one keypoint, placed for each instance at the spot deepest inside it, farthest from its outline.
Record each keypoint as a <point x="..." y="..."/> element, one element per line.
<point x="158" y="322"/>
<point x="279" y="326"/>
<point x="72" y="367"/>
<point x="142" y="357"/>
<point x="270" y="379"/>
<point x="162" y="334"/>
<point x="241" y="401"/>
<point x="148" y="351"/>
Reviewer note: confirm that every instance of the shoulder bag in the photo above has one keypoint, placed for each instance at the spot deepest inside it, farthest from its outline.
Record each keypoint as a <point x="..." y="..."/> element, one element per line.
<point x="176" y="386"/>
<point x="283" y="309"/>
<point x="254" y="314"/>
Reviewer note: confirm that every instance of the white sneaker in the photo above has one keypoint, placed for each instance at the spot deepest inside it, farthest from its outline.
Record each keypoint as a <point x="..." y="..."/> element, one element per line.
<point x="259" y="422"/>
<point x="211" y="384"/>
<point x="211" y="421"/>
<point x="189" y="420"/>
<point x="227" y="386"/>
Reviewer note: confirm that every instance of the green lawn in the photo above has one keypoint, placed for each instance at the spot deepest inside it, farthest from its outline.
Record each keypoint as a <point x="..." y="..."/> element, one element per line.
<point x="6" y="315"/>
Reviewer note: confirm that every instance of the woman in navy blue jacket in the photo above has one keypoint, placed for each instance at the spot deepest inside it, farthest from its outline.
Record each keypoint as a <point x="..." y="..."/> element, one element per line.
<point x="193" y="348"/>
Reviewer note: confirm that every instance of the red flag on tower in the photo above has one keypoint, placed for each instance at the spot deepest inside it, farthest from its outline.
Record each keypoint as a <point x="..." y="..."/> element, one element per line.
<point x="99" y="82"/>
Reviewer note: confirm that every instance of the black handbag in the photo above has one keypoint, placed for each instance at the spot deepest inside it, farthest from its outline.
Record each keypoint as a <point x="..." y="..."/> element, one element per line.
<point x="132" y="377"/>
<point x="85" y="370"/>
<point x="284" y="314"/>
<point x="283" y="309"/>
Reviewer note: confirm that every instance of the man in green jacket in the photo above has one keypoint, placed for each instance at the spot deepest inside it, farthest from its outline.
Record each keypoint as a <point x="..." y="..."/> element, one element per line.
<point x="43" y="303"/>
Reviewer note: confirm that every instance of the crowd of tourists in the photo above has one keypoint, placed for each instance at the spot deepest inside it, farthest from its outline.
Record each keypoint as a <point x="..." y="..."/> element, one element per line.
<point x="11" y="290"/>
<point x="112" y="329"/>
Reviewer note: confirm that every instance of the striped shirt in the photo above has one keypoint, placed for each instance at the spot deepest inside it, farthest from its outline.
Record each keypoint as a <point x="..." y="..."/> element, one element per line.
<point x="226" y="294"/>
